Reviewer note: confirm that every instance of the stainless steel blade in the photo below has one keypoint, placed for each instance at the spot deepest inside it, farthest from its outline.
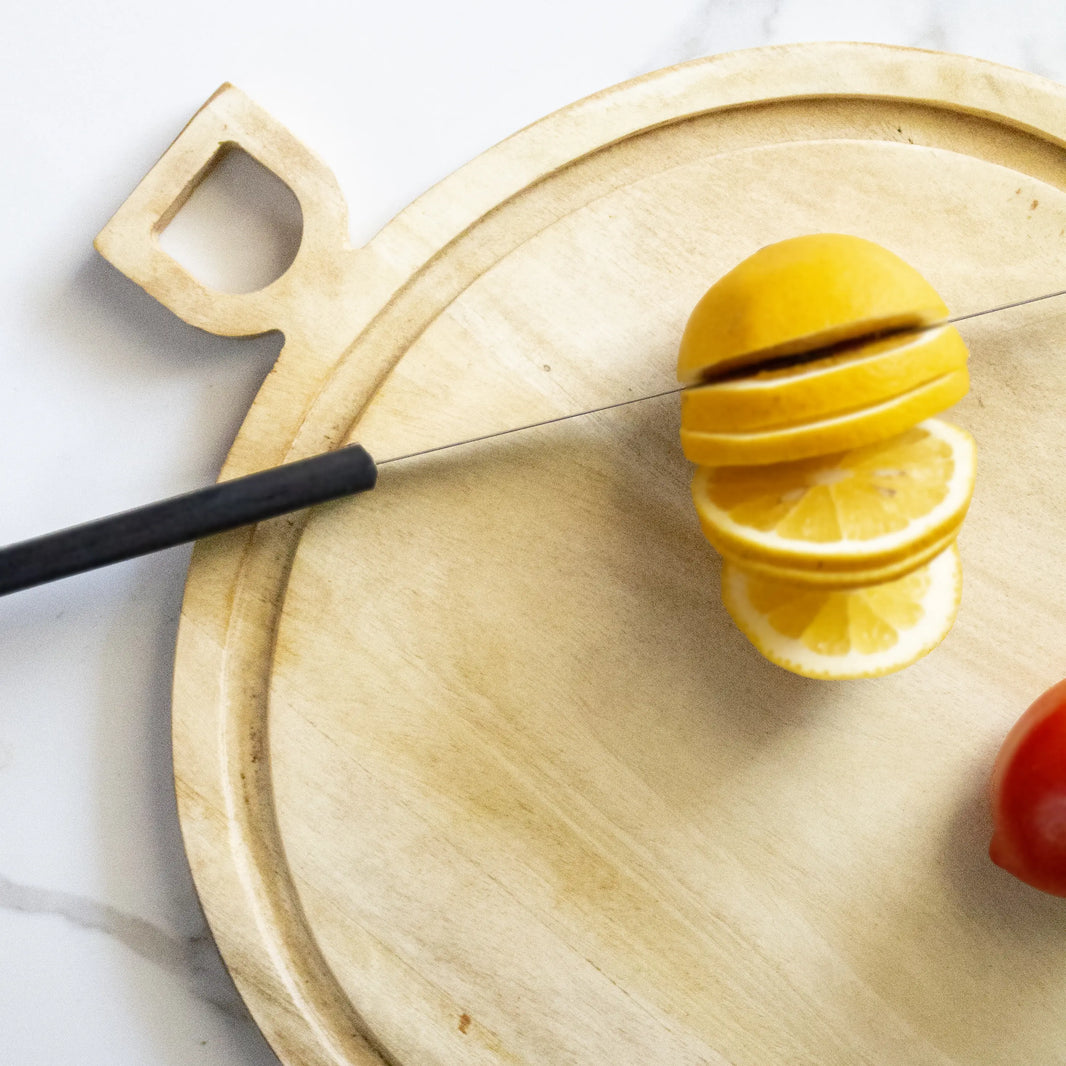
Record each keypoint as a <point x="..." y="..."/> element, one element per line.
<point x="804" y="358"/>
<point x="993" y="310"/>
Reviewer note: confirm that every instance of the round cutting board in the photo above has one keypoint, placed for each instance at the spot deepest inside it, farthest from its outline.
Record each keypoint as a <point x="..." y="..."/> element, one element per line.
<point x="475" y="768"/>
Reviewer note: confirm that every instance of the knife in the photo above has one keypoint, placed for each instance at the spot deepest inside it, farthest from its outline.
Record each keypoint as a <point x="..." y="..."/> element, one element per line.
<point x="268" y="494"/>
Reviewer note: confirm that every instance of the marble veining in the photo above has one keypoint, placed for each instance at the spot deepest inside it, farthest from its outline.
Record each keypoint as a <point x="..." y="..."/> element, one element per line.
<point x="195" y="958"/>
<point x="713" y="26"/>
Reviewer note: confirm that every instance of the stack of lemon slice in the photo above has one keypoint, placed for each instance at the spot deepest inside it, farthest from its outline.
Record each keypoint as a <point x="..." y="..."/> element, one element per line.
<point x="832" y="493"/>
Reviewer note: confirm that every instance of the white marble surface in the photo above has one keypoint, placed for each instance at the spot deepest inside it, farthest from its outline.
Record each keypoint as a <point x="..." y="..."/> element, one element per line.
<point x="107" y="401"/>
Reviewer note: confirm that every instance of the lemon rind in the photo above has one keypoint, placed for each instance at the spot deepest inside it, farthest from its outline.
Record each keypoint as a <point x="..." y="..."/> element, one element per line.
<point x="800" y="294"/>
<point x="869" y="327"/>
<point x="731" y="537"/>
<point x="826" y="436"/>
<point x="842" y="580"/>
<point x="944" y="592"/>
<point x="867" y="374"/>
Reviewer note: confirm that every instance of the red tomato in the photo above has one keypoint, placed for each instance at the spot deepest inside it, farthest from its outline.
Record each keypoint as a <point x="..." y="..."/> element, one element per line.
<point x="1029" y="796"/>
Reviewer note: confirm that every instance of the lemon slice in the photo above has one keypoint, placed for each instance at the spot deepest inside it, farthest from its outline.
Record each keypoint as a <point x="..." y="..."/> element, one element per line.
<point x="845" y="634"/>
<point x="801" y="294"/>
<point x="862" y="375"/>
<point x="840" y="433"/>
<point x="860" y="510"/>
<point x="820" y="576"/>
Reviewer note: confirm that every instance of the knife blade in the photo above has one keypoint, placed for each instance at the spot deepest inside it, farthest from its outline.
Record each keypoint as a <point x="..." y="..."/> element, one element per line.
<point x="270" y="493"/>
<point x="793" y="360"/>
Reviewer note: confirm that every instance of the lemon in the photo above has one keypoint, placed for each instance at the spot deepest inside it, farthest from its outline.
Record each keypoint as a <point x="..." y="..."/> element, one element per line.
<point x="820" y="437"/>
<point x="860" y="511"/>
<point x="864" y="374"/>
<point x="832" y="494"/>
<point x="822" y="577"/>
<point x="799" y="295"/>
<point x="841" y="634"/>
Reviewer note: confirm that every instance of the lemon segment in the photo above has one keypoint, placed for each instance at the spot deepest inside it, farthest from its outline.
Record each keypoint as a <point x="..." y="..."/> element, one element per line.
<point x="862" y="375"/>
<point x="799" y="295"/>
<point x="840" y="433"/>
<point x="844" y="634"/>
<point x="856" y="511"/>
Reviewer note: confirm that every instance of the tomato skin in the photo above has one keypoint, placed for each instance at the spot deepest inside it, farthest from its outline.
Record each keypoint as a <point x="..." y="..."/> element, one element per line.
<point x="1029" y="796"/>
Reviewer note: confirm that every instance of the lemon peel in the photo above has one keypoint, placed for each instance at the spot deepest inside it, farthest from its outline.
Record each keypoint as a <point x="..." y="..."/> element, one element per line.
<point x="865" y="373"/>
<point x="847" y="634"/>
<point x="799" y="295"/>
<point x="819" y="577"/>
<point x="824" y="436"/>
<point x="859" y="510"/>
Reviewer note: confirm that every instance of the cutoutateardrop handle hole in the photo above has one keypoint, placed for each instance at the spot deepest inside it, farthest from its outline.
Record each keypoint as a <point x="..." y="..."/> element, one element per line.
<point x="240" y="228"/>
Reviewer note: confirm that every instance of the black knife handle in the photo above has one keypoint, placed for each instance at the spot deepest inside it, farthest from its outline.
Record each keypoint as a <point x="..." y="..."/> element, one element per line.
<point x="167" y="523"/>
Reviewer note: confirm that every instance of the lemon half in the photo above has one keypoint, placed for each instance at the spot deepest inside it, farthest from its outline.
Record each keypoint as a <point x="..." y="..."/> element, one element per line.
<point x="799" y="295"/>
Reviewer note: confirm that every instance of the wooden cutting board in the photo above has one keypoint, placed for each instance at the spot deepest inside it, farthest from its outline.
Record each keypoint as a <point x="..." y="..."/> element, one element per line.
<point x="475" y="768"/>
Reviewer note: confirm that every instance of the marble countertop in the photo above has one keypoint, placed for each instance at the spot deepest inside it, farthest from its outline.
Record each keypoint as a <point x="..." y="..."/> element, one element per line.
<point x="109" y="401"/>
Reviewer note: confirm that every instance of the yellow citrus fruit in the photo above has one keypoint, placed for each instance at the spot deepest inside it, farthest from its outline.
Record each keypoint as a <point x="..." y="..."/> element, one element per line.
<point x="822" y="577"/>
<point x="852" y="429"/>
<point x="800" y="295"/>
<point x="856" y="511"/>
<point x="865" y="373"/>
<point x="841" y="634"/>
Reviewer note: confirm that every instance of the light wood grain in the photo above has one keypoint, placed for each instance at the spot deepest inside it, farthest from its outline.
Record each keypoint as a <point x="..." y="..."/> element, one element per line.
<point x="475" y="769"/>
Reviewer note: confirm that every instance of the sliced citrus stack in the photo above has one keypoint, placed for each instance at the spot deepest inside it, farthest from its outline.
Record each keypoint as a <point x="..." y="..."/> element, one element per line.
<point x="849" y="514"/>
<point x="791" y="299"/>
<point x="843" y="634"/>
<point x="830" y="490"/>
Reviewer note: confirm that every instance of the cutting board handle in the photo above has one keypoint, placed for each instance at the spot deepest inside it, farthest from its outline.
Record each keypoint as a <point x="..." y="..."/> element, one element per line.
<point x="130" y="240"/>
